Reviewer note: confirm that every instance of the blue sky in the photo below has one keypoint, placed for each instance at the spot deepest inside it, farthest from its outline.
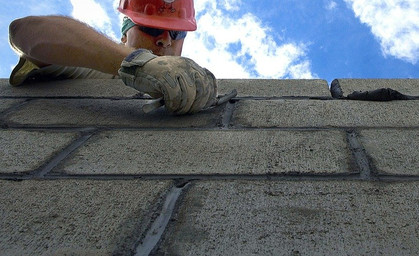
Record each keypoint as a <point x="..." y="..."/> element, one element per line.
<point x="274" y="39"/>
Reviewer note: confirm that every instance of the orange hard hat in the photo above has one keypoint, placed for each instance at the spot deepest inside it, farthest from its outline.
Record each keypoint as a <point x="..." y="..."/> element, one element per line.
<point x="164" y="14"/>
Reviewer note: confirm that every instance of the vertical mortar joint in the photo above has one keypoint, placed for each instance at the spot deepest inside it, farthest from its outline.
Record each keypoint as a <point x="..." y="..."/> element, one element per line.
<point x="359" y="154"/>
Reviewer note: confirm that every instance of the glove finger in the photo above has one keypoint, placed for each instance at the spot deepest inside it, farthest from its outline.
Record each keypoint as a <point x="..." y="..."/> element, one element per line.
<point x="147" y="84"/>
<point x="213" y="89"/>
<point x="188" y="91"/>
<point x="172" y="93"/>
<point x="202" y="94"/>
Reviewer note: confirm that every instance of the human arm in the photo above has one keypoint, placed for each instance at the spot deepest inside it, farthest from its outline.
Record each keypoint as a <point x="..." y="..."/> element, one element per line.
<point x="184" y="86"/>
<point x="64" y="41"/>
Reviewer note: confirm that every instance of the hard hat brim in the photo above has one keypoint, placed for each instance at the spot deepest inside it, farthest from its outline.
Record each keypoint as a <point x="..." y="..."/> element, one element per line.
<point x="166" y="23"/>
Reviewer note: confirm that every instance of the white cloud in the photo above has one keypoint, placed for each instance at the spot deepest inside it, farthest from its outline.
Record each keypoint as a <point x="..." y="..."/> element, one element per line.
<point x="243" y="47"/>
<point x="395" y="23"/>
<point x="94" y="14"/>
<point x="231" y="4"/>
<point x="331" y="5"/>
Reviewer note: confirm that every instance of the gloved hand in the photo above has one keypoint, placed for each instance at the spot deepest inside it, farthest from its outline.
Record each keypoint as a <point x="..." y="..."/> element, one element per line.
<point x="184" y="85"/>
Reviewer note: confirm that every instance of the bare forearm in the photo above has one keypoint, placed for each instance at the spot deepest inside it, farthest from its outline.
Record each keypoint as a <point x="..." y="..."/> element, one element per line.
<point x="65" y="41"/>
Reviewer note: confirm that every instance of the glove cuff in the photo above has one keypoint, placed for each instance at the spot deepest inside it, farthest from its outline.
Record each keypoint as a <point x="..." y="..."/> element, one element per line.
<point x="129" y="65"/>
<point x="138" y="58"/>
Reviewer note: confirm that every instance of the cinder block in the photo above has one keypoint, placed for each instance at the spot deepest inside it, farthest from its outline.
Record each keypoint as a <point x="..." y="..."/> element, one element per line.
<point x="76" y="217"/>
<point x="295" y="218"/>
<point x="343" y="87"/>
<point x="211" y="152"/>
<point x="24" y="151"/>
<point x="116" y="88"/>
<point x="7" y="103"/>
<point x="69" y="88"/>
<point x="275" y="88"/>
<point x="105" y="113"/>
<point x="393" y="152"/>
<point x="325" y="113"/>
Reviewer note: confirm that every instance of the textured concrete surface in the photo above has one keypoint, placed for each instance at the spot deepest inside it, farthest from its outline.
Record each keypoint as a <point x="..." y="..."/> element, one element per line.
<point x="105" y="112"/>
<point x="25" y="151"/>
<point x="393" y="151"/>
<point x="275" y="88"/>
<point x="283" y="169"/>
<point x="211" y="152"/>
<point x="296" y="218"/>
<point x="69" y="88"/>
<point x="115" y="88"/>
<point x="72" y="217"/>
<point x="325" y="113"/>
<point x="405" y="86"/>
<point x="7" y="103"/>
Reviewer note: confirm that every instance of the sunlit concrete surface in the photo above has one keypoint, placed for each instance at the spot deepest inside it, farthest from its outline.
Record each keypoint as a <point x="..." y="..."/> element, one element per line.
<point x="284" y="168"/>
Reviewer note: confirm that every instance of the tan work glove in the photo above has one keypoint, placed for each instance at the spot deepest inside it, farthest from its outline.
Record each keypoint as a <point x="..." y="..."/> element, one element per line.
<point x="184" y="86"/>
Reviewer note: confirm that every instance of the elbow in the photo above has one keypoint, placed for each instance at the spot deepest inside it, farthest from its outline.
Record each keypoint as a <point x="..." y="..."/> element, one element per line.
<point x="13" y="32"/>
<point x="19" y="30"/>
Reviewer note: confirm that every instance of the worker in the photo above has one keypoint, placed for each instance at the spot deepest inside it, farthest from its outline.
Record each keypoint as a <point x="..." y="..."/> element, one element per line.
<point x="148" y="58"/>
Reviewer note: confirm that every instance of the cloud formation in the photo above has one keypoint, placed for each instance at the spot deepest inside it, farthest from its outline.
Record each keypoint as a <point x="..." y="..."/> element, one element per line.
<point x="94" y="14"/>
<point x="395" y="23"/>
<point x="331" y="5"/>
<point x="242" y="47"/>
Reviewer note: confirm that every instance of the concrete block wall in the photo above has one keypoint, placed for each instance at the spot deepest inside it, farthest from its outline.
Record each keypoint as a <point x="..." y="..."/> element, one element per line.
<point x="283" y="169"/>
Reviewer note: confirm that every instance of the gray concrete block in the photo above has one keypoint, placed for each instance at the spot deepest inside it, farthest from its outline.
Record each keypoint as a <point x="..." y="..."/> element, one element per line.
<point x="106" y="112"/>
<point x="69" y="88"/>
<point x="296" y="218"/>
<point x="116" y="88"/>
<point x="24" y="151"/>
<point x="7" y="103"/>
<point x="211" y="152"/>
<point x="348" y="86"/>
<point x="325" y="113"/>
<point x="392" y="151"/>
<point x="275" y="88"/>
<point x="76" y="217"/>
